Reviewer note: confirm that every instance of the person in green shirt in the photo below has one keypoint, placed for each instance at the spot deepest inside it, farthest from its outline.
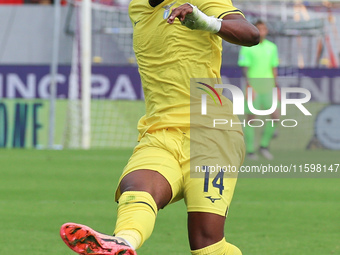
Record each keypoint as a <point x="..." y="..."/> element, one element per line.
<point x="259" y="64"/>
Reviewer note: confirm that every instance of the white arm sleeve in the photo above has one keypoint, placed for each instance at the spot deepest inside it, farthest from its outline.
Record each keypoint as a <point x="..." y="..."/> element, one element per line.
<point x="199" y="21"/>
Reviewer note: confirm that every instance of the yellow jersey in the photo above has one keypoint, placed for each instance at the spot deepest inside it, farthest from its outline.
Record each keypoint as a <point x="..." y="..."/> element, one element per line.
<point x="169" y="55"/>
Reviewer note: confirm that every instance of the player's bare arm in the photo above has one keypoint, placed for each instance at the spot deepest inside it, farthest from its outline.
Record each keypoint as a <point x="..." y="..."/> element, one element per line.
<point x="233" y="28"/>
<point x="236" y="29"/>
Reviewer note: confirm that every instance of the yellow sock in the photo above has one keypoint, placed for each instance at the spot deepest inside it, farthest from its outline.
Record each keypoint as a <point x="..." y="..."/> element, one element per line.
<point x="137" y="211"/>
<point x="220" y="248"/>
<point x="131" y="236"/>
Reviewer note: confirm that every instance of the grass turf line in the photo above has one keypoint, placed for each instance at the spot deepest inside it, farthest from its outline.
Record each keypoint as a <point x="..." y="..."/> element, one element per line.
<point x="41" y="190"/>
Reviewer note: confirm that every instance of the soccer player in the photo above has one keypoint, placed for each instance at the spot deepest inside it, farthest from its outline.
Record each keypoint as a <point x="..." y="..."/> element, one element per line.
<point x="259" y="64"/>
<point x="174" y="41"/>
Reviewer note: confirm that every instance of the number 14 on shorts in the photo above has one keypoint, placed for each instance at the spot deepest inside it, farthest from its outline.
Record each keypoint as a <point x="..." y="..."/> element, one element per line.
<point x="217" y="182"/>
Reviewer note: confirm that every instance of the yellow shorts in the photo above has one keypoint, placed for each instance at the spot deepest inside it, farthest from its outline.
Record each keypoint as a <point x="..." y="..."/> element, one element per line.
<point x="168" y="152"/>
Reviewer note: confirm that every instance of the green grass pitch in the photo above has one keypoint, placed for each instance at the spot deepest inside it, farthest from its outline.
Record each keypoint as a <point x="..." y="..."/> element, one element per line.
<point x="41" y="190"/>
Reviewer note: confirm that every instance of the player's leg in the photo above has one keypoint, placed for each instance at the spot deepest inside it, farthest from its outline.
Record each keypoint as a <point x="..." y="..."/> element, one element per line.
<point x="249" y="131"/>
<point x="141" y="193"/>
<point x="144" y="192"/>
<point x="206" y="235"/>
<point x="208" y="196"/>
<point x="269" y="128"/>
<point x="206" y="229"/>
<point x="249" y="135"/>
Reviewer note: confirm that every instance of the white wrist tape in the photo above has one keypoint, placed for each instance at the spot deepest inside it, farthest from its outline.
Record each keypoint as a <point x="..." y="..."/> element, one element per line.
<point x="199" y="21"/>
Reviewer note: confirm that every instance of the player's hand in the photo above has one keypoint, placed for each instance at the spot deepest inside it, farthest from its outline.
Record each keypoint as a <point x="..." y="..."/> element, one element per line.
<point x="191" y="17"/>
<point x="180" y="13"/>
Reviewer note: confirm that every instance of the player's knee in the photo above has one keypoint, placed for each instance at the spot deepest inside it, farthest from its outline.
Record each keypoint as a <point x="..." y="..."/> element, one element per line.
<point x="156" y="197"/>
<point x="150" y="182"/>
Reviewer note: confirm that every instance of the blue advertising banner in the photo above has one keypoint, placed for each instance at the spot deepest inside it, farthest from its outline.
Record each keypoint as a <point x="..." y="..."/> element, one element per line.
<point x="32" y="82"/>
<point x="123" y="82"/>
<point x="25" y="92"/>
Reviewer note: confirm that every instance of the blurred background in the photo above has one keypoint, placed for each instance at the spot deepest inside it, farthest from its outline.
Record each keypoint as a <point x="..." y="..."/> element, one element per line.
<point x="42" y="43"/>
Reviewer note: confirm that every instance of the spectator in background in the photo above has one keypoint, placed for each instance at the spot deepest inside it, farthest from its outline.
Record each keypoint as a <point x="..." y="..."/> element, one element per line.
<point x="259" y="64"/>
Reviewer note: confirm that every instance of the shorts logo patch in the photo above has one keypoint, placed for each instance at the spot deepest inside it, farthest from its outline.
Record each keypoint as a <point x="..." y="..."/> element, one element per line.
<point x="213" y="199"/>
